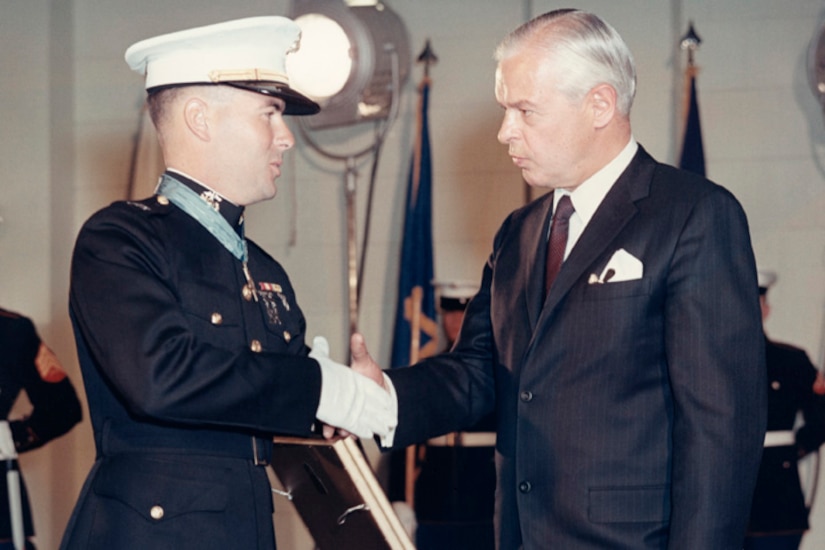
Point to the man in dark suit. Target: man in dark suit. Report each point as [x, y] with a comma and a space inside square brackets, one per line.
[630, 399]
[190, 339]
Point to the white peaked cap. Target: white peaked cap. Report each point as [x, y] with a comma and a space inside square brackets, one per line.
[454, 295]
[457, 289]
[245, 53]
[766, 278]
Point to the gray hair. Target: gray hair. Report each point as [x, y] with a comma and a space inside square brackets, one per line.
[584, 49]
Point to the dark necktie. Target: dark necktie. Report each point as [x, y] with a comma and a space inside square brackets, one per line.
[557, 241]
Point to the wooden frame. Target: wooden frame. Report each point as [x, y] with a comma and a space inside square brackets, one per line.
[337, 495]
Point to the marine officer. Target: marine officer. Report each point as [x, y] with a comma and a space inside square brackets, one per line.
[189, 335]
[28, 364]
[779, 514]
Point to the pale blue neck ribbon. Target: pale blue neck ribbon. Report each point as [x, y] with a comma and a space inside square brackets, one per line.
[190, 202]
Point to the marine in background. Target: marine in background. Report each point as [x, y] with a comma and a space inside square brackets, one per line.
[455, 489]
[779, 514]
[27, 364]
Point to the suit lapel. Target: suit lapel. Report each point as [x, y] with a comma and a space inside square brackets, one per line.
[534, 275]
[616, 210]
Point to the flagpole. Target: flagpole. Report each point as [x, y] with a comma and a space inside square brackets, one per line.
[412, 310]
[692, 156]
[410, 463]
[690, 42]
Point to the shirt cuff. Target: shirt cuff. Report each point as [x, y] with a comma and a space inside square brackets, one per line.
[387, 440]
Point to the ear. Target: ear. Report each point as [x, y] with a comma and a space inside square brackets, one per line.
[603, 104]
[196, 116]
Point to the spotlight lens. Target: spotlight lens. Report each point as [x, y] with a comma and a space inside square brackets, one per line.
[322, 65]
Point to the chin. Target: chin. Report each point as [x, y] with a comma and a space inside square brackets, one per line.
[529, 180]
[263, 194]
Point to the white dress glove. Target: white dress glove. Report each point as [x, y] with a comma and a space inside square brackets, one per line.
[352, 401]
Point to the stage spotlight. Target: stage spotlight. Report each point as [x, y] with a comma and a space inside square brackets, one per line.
[353, 60]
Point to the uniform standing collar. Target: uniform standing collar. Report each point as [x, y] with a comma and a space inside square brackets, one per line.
[230, 211]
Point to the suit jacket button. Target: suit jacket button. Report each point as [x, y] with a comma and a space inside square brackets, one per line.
[162, 200]
[255, 346]
[526, 396]
[156, 512]
[217, 318]
[525, 486]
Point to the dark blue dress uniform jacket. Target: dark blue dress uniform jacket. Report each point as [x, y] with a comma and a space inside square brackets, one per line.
[778, 502]
[187, 379]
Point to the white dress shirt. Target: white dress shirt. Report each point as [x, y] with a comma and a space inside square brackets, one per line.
[589, 194]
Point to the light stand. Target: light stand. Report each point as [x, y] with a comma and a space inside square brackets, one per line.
[377, 47]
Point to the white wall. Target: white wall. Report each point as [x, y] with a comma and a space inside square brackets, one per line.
[36, 209]
[70, 109]
[24, 151]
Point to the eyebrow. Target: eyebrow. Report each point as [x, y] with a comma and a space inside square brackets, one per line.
[276, 102]
[521, 105]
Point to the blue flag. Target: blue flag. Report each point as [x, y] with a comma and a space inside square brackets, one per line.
[416, 273]
[693, 154]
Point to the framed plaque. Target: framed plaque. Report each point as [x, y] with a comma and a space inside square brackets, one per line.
[337, 495]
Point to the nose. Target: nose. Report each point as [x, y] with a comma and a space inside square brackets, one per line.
[284, 139]
[506, 131]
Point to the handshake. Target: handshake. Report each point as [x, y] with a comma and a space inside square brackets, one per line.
[362, 404]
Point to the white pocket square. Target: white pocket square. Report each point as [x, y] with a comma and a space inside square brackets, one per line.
[623, 266]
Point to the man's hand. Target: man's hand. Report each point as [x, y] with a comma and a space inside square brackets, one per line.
[362, 362]
[349, 400]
